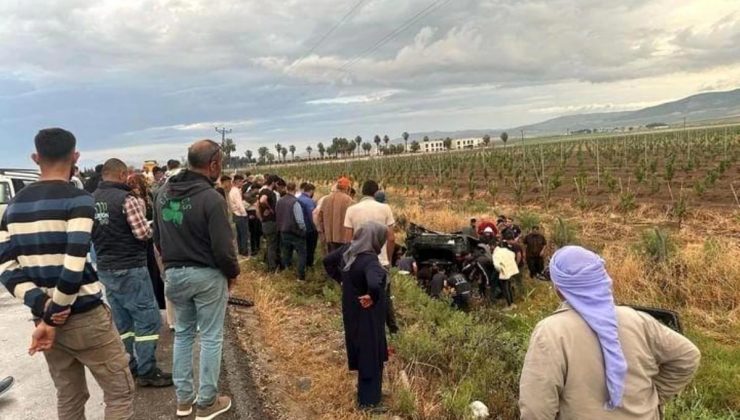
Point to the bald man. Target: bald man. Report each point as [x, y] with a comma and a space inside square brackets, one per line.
[192, 231]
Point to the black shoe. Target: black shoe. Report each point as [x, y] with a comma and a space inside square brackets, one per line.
[6, 384]
[155, 378]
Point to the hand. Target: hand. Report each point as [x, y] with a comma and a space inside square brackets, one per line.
[365, 301]
[42, 338]
[59, 318]
[232, 282]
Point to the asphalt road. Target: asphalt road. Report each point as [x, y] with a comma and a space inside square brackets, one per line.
[34, 397]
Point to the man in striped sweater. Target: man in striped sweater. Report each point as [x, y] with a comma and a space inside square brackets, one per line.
[44, 242]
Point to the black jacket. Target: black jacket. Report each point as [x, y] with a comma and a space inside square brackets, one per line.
[191, 225]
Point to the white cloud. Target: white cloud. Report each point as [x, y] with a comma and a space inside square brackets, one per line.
[354, 99]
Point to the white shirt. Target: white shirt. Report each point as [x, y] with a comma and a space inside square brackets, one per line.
[369, 210]
[504, 260]
[236, 203]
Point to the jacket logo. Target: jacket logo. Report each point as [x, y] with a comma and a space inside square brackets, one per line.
[174, 210]
[101, 213]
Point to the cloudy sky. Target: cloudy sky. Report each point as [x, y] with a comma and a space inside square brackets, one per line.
[141, 79]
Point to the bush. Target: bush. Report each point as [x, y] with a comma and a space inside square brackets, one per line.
[563, 233]
[657, 244]
[528, 220]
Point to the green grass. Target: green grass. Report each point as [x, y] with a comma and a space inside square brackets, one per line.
[478, 355]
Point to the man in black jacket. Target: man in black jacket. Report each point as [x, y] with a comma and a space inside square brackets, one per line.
[120, 235]
[292, 228]
[192, 231]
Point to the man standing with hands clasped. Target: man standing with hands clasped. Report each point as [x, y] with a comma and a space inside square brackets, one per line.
[192, 230]
[44, 242]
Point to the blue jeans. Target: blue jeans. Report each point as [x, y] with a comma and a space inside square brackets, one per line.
[242, 234]
[135, 313]
[199, 296]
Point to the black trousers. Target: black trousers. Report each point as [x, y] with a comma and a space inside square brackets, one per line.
[255, 234]
[536, 265]
[370, 388]
[312, 240]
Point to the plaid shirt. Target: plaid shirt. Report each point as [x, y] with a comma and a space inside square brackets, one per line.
[135, 209]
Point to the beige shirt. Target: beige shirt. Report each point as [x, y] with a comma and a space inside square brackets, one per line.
[369, 210]
[504, 260]
[236, 202]
[563, 374]
[331, 216]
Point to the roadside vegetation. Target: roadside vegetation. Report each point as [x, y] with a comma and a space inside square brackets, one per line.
[444, 359]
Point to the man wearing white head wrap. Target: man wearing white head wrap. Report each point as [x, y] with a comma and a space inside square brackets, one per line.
[594, 360]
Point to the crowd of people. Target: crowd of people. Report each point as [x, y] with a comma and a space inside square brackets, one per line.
[173, 238]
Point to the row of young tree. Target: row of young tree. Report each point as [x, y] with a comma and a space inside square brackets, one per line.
[340, 146]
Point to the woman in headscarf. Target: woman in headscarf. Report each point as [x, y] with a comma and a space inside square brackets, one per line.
[594, 360]
[357, 268]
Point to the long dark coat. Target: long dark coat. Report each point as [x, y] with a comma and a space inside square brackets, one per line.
[364, 329]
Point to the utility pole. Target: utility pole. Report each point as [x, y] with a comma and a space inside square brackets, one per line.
[223, 131]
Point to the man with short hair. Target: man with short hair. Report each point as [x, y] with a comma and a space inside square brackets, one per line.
[292, 228]
[267, 202]
[592, 359]
[44, 242]
[92, 183]
[312, 235]
[331, 216]
[192, 231]
[369, 210]
[158, 175]
[173, 168]
[224, 187]
[534, 249]
[239, 215]
[120, 236]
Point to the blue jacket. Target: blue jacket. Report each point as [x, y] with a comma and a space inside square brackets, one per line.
[308, 205]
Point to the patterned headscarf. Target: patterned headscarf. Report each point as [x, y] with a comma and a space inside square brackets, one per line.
[368, 239]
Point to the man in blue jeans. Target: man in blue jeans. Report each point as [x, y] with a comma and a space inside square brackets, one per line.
[120, 233]
[192, 231]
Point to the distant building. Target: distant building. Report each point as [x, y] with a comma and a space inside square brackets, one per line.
[438, 145]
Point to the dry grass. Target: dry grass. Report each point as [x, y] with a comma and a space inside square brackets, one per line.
[701, 282]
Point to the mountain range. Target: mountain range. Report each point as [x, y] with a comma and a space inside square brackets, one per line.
[706, 106]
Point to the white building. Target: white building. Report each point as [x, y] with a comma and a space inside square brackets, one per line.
[438, 145]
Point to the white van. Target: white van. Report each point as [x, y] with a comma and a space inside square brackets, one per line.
[11, 182]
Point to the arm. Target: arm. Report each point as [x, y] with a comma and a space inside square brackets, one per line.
[79, 227]
[13, 278]
[221, 238]
[677, 358]
[333, 262]
[136, 217]
[375, 275]
[349, 230]
[298, 214]
[543, 377]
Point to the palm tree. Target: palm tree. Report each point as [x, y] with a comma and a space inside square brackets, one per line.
[262, 152]
[386, 140]
[278, 148]
[228, 146]
[320, 147]
[351, 147]
[486, 140]
[405, 136]
[367, 147]
[504, 137]
[248, 154]
[309, 149]
[377, 142]
[292, 152]
[283, 152]
[358, 140]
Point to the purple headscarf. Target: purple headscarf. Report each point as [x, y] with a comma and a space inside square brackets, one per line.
[581, 278]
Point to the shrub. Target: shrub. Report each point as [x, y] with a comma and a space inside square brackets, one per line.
[527, 220]
[657, 244]
[563, 233]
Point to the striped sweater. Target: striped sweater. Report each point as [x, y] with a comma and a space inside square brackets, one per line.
[44, 244]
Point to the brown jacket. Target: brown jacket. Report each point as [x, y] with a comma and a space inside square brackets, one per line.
[331, 216]
[563, 374]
